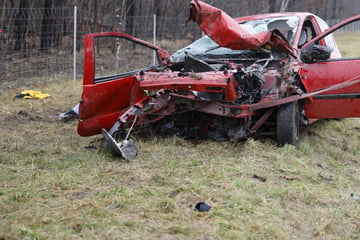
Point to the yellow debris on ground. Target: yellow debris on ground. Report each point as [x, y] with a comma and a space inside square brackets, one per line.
[28, 94]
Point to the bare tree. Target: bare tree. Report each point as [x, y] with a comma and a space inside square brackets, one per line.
[284, 5]
[272, 5]
[334, 12]
[95, 15]
[21, 25]
[130, 13]
[46, 29]
[58, 22]
[2, 13]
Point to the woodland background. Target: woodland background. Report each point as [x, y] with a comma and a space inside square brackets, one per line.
[37, 35]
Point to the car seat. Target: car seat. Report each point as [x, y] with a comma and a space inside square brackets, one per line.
[303, 38]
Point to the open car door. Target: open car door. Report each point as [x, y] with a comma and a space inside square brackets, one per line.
[111, 63]
[328, 63]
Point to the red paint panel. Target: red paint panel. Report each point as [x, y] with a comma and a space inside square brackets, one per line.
[316, 76]
[92, 125]
[102, 102]
[194, 81]
[333, 108]
[225, 30]
[106, 96]
[203, 82]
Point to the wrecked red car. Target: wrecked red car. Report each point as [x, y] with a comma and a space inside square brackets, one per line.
[255, 76]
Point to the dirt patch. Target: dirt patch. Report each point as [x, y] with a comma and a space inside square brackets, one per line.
[23, 116]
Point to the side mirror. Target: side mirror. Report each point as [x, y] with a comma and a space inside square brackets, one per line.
[314, 53]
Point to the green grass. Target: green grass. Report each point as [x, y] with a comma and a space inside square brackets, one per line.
[348, 43]
[55, 184]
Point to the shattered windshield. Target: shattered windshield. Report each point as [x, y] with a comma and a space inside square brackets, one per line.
[286, 25]
[206, 48]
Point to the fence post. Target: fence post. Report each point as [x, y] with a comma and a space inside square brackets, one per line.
[74, 47]
[154, 38]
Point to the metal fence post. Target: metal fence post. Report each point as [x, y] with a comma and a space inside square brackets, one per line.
[74, 47]
[154, 38]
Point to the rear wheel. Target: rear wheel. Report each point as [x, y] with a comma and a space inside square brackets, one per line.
[287, 127]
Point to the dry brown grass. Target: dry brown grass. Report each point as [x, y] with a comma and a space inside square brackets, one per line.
[57, 185]
[348, 43]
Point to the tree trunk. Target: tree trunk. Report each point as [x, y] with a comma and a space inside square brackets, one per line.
[334, 13]
[272, 5]
[21, 25]
[325, 15]
[284, 5]
[59, 22]
[130, 12]
[95, 16]
[46, 30]
[3, 14]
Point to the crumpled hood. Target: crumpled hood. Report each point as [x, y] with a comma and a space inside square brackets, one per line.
[225, 31]
[205, 48]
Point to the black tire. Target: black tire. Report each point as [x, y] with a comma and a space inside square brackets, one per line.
[287, 127]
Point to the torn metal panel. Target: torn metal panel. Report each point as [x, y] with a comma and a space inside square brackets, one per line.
[309, 95]
[225, 31]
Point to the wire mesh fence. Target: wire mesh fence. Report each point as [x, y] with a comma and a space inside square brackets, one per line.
[355, 27]
[39, 42]
[35, 43]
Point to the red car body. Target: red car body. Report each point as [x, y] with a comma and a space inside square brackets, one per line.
[249, 76]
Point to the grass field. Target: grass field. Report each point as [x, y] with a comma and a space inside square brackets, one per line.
[58, 185]
[348, 43]
[55, 184]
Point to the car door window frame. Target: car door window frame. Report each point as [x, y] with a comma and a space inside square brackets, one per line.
[100, 79]
[328, 33]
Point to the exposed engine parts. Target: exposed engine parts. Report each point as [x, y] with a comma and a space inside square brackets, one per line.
[251, 80]
[246, 77]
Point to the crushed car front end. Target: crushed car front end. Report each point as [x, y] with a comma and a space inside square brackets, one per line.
[205, 90]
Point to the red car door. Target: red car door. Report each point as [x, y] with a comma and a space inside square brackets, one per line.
[111, 63]
[323, 69]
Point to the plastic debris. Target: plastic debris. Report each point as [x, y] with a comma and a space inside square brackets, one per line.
[355, 196]
[68, 116]
[31, 94]
[202, 207]
[259, 178]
